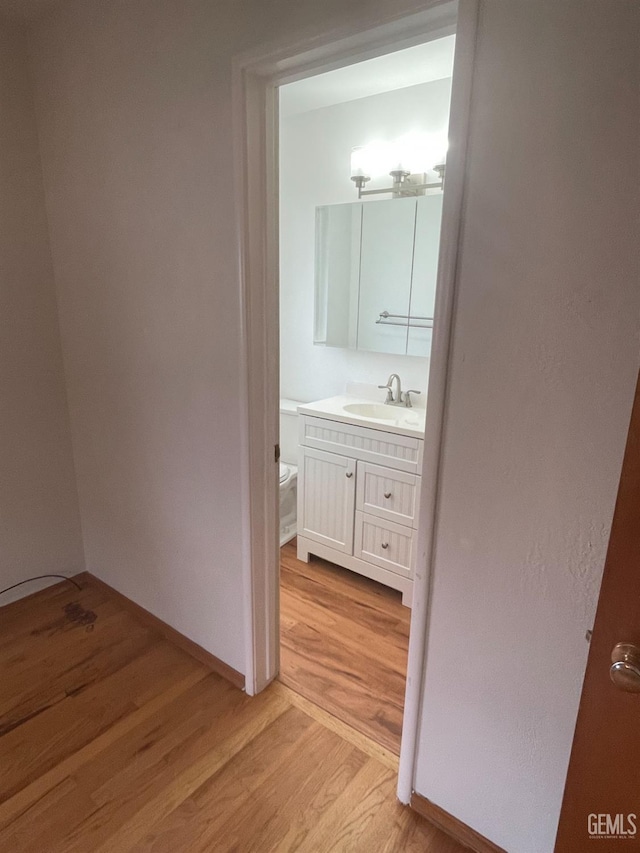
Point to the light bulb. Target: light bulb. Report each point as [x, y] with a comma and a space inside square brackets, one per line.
[358, 157]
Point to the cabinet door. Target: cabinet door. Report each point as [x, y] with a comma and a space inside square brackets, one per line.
[326, 498]
[385, 273]
[425, 271]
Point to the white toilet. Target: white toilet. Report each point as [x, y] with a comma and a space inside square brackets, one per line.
[288, 469]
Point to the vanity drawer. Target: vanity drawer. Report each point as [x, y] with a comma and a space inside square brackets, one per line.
[384, 544]
[402, 452]
[392, 495]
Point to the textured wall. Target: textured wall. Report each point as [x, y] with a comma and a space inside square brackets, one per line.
[39, 521]
[544, 367]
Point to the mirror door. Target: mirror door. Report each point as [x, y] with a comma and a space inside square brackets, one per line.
[386, 262]
[425, 273]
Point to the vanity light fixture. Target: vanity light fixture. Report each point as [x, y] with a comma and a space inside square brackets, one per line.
[407, 161]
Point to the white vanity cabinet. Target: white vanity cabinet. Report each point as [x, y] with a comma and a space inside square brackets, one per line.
[358, 499]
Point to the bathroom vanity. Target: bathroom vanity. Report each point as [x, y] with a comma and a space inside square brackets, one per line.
[359, 487]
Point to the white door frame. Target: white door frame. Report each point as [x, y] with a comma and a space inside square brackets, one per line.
[256, 77]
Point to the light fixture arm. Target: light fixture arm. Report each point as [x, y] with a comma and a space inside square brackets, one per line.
[403, 186]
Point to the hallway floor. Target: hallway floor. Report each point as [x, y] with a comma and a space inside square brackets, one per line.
[112, 739]
[344, 642]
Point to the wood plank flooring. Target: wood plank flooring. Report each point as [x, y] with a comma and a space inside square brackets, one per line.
[112, 739]
[344, 641]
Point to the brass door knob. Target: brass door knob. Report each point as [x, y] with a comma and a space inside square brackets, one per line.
[625, 667]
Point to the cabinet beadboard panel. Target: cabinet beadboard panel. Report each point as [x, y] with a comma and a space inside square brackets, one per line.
[370, 445]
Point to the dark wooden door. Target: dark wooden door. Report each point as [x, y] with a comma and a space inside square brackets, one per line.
[601, 806]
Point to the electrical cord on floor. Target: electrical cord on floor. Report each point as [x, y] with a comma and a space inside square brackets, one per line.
[41, 577]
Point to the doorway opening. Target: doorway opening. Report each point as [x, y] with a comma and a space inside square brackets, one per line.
[257, 77]
[362, 167]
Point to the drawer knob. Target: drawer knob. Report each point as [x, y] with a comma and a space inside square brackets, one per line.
[387, 495]
[349, 474]
[385, 545]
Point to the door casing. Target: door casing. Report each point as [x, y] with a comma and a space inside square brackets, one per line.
[256, 77]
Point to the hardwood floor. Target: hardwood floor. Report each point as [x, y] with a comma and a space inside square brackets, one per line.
[344, 642]
[113, 739]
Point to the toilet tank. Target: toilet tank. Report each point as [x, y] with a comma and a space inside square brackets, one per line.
[289, 431]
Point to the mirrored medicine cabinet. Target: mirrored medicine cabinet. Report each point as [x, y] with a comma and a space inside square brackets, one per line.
[375, 275]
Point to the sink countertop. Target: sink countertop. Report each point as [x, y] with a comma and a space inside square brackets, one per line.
[401, 421]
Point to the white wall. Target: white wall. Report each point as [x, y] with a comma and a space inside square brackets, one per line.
[545, 361]
[39, 520]
[134, 112]
[134, 109]
[315, 149]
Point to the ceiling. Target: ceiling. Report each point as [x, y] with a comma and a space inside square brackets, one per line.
[24, 10]
[409, 67]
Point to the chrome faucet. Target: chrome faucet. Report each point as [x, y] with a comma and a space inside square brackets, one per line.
[400, 398]
[391, 400]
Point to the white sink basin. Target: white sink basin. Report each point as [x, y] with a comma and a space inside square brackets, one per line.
[372, 410]
[363, 412]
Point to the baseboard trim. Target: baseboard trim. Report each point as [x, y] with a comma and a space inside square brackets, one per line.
[211, 661]
[452, 826]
